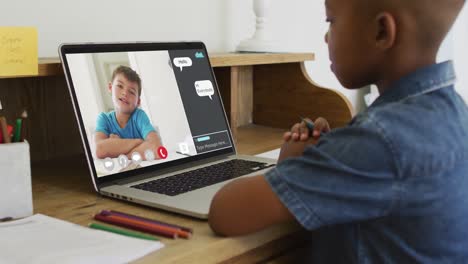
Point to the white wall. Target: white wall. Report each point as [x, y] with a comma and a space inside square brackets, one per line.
[454, 48]
[105, 63]
[220, 24]
[85, 83]
[117, 20]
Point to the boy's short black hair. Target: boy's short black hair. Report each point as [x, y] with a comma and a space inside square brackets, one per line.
[129, 73]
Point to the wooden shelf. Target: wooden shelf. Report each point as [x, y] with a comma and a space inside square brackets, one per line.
[246, 59]
[53, 66]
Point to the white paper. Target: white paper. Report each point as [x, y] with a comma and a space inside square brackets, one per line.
[15, 179]
[273, 154]
[43, 239]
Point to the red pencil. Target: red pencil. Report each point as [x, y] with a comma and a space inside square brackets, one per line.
[178, 231]
[112, 212]
[135, 227]
[155, 226]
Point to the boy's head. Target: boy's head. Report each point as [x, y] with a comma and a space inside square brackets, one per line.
[379, 41]
[125, 87]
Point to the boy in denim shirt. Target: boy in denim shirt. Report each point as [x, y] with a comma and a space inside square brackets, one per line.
[392, 186]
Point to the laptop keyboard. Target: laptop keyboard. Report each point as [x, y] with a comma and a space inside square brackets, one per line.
[199, 178]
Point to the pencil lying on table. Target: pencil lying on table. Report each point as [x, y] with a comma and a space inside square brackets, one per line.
[136, 224]
[149, 220]
[121, 231]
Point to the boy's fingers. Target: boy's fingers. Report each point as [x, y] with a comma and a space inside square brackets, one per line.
[321, 124]
[302, 131]
[298, 132]
[305, 132]
[296, 128]
[295, 136]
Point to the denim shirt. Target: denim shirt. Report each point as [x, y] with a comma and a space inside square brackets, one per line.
[391, 186]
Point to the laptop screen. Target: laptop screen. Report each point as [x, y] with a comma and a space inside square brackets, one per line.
[149, 107]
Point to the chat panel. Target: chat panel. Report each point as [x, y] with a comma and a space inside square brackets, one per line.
[211, 142]
[202, 102]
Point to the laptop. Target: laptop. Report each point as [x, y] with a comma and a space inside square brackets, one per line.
[191, 154]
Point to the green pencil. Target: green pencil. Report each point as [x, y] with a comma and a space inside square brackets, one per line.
[121, 231]
[17, 134]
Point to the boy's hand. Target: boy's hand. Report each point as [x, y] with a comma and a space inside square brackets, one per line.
[300, 131]
[114, 136]
[320, 126]
[291, 149]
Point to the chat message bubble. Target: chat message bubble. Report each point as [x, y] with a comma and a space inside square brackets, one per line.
[204, 88]
[182, 62]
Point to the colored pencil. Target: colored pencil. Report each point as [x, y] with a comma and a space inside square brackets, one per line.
[4, 127]
[121, 231]
[17, 133]
[149, 220]
[24, 116]
[310, 125]
[135, 227]
[138, 223]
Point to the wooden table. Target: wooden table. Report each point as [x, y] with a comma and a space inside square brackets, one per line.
[63, 189]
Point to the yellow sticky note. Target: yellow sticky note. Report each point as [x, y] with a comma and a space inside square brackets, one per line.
[18, 51]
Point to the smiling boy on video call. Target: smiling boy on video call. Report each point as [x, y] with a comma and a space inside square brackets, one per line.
[127, 129]
[391, 186]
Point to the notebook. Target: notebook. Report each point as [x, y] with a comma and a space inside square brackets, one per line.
[153, 125]
[43, 239]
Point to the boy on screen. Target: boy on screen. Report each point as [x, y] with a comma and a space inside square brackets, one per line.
[127, 129]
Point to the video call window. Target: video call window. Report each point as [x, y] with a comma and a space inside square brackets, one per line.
[147, 107]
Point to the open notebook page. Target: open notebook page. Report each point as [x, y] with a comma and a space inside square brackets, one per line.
[43, 239]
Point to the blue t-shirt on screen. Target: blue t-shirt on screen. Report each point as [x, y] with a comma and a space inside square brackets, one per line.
[138, 126]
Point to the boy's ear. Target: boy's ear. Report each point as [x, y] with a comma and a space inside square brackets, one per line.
[109, 86]
[386, 30]
[139, 101]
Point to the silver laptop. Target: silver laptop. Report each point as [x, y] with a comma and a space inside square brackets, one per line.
[153, 125]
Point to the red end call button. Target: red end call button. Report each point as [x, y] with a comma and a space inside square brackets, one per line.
[162, 152]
